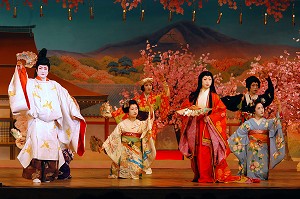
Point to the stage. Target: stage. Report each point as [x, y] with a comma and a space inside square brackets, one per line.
[164, 183]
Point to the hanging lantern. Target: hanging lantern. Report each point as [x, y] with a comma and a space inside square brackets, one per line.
[91, 13]
[194, 16]
[266, 18]
[15, 12]
[293, 15]
[241, 18]
[91, 9]
[69, 14]
[142, 15]
[219, 17]
[293, 19]
[170, 15]
[41, 11]
[124, 15]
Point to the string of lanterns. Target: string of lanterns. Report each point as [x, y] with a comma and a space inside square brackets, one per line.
[274, 7]
[231, 3]
[72, 5]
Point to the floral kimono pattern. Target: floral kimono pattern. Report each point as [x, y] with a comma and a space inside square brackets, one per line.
[259, 147]
[131, 148]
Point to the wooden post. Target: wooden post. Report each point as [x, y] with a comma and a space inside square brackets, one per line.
[106, 127]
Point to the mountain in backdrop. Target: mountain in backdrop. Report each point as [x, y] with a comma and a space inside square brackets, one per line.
[200, 40]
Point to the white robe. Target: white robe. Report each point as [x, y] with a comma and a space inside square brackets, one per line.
[51, 122]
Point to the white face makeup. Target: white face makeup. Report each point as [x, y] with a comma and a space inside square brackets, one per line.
[259, 110]
[133, 111]
[206, 82]
[42, 71]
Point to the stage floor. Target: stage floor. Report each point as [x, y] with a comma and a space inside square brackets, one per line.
[162, 184]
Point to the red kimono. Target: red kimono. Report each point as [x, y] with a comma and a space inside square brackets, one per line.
[204, 141]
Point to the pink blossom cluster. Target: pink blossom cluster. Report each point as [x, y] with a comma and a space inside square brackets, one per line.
[180, 69]
[284, 72]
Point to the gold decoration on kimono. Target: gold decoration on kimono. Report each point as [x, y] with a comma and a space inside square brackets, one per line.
[68, 132]
[45, 145]
[48, 105]
[218, 126]
[11, 93]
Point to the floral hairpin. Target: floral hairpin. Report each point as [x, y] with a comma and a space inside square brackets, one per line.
[124, 103]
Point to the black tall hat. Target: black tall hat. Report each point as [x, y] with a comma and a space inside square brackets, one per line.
[42, 59]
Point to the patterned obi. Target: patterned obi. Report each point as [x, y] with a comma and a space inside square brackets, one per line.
[130, 134]
[130, 139]
[259, 136]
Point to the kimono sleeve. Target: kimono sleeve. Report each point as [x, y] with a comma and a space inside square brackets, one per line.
[73, 130]
[277, 142]
[233, 103]
[17, 92]
[113, 145]
[268, 95]
[238, 142]
[147, 125]
[164, 105]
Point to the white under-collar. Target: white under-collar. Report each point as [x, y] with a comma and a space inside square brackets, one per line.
[249, 99]
[202, 98]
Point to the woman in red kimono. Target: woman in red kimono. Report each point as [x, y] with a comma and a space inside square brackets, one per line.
[203, 138]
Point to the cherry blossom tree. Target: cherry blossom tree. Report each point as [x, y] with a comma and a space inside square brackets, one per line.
[284, 72]
[179, 68]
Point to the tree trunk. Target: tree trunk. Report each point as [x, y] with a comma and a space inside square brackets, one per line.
[287, 156]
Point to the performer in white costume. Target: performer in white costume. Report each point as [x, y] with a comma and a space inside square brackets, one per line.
[55, 121]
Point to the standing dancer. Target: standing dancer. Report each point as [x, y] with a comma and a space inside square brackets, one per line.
[55, 120]
[203, 138]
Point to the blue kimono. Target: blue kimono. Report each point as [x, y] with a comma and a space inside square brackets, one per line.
[259, 147]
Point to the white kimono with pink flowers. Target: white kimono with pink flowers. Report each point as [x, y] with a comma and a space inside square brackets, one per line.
[131, 148]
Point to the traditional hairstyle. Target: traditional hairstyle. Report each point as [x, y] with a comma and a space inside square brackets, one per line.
[250, 80]
[255, 103]
[194, 95]
[127, 105]
[42, 60]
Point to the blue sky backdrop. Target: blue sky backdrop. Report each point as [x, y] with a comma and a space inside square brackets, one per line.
[55, 32]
